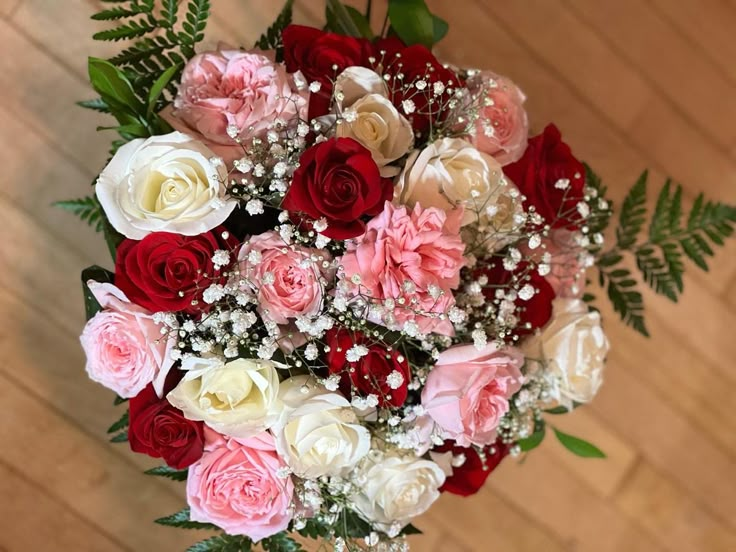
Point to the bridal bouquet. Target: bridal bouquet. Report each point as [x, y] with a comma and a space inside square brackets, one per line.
[347, 278]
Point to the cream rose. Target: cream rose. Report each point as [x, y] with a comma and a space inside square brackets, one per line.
[164, 183]
[451, 173]
[574, 348]
[369, 117]
[319, 433]
[394, 488]
[238, 398]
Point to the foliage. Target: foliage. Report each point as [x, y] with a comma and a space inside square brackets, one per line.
[223, 543]
[578, 446]
[98, 274]
[535, 439]
[86, 208]
[660, 248]
[271, 39]
[181, 519]
[170, 473]
[121, 424]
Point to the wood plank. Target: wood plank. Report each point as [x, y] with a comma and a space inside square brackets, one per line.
[664, 437]
[708, 24]
[33, 521]
[53, 115]
[85, 474]
[557, 498]
[669, 514]
[701, 94]
[7, 7]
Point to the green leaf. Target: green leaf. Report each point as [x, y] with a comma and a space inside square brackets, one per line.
[533, 441]
[271, 39]
[352, 526]
[412, 21]
[578, 446]
[280, 542]
[627, 303]
[339, 19]
[313, 529]
[223, 543]
[113, 86]
[158, 87]
[112, 237]
[181, 519]
[98, 274]
[120, 438]
[166, 471]
[364, 27]
[97, 104]
[439, 28]
[122, 423]
[411, 530]
[558, 410]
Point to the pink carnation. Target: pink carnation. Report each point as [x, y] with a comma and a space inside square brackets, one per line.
[232, 87]
[413, 255]
[286, 280]
[502, 127]
[236, 486]
[124, 346]
[468, 390]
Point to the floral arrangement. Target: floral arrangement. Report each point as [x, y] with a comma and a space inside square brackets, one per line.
[346, 279]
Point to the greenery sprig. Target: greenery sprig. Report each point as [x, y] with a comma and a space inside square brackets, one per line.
[660, 247]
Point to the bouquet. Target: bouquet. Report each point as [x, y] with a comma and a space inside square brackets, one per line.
[347, 278]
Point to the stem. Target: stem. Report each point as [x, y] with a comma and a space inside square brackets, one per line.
[368, 7]
[384, 27]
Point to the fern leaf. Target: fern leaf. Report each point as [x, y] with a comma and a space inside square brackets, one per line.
[627, 302]
[86, 208]
[271, 39]
[633, 214]
[170, 473]
[127, 31]
[182, 520]
[97, 104]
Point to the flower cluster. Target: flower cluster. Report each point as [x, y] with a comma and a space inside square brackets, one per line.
[348, 282]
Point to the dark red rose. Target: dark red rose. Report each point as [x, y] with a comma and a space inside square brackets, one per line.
[369, 374]
[536, 311]
[417, 63]
[321, 57]
[547, 161]
[160, 430]
[468, 478]
[166, 272]
[338, 180]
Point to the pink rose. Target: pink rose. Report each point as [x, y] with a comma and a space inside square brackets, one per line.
[124, 346]
[285, 277]
[411, 255]
[236, 486]
[468, 390]
[502, 127]
[567, 271]
[232, 87]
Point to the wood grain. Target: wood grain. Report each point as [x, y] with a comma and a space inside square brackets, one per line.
[632, 84]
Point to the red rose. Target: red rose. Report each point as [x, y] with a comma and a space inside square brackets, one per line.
[369, 375]
[468, 478]
[535, 311]
[321, 57]
[338, 180]
[417, 63]
[166, 272]
[160, 430]
[547, 161]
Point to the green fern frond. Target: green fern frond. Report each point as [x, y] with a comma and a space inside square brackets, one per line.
[182, 520]
[271, 39]
[86, 208]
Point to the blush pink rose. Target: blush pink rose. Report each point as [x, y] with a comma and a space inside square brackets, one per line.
[502, 128]
[285, 277]
[567, 272]
[415, 255]
[236, 486]
[124, 346]
[468, 390]
[231, 87]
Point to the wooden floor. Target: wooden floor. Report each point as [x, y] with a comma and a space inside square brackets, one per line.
[632, 84]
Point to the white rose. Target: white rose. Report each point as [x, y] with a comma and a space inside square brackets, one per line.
[451, 173]
[238, 398]
[574, 348]
[394, 488]
[319, 433]
[371, 119]
[164, 183]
